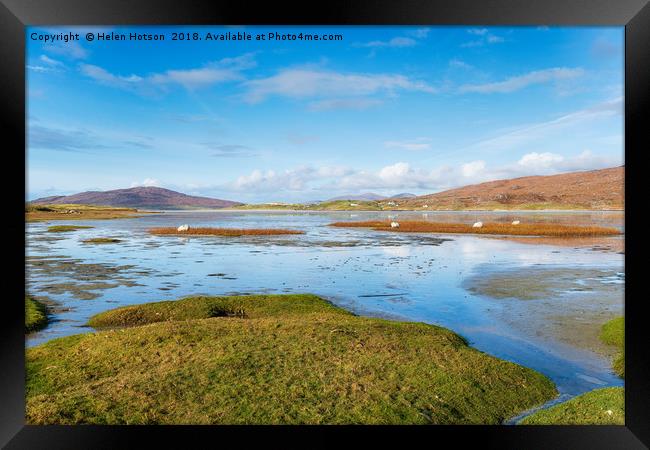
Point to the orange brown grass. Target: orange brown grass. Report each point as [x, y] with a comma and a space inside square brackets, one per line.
[524, 229]
[207, 231]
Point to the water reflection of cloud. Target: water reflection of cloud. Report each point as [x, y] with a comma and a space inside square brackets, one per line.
[402, 252]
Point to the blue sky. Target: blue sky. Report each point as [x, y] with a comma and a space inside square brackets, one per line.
[385, 110]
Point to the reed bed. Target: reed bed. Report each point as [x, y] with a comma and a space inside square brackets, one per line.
[523, 229]
[208, 231]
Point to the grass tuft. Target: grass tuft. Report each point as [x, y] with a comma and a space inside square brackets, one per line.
[35, 315]
[66, 228]
[101, 240]
[38, 213]
[613, 333]
[604, 406]
[206, 231]
[270, 359]
[525, 229]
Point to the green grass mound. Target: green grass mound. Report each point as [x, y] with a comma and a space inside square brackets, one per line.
[249, 306]
[101, 240]
[35, 315]
[65, 228]
[599, 407]
[613, 333]
[270, 359]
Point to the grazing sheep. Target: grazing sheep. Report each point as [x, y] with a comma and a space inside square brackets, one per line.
[394, 225]
[425, 206]
[183, 228]
[515, 222]
[478, 225]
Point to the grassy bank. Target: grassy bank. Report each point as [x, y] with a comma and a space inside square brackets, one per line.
[599, 407]
[40, 213]
[65, 228]
[269, 359]
[101, 240]
[523, 229]
[206, 231]
[613, 333]
[35, 315]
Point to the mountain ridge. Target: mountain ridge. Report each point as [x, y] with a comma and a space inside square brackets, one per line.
[139, 197]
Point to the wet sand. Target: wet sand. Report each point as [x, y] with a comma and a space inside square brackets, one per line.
[604, 244]
[568, 305]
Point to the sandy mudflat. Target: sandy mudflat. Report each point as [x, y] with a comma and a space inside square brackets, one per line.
[568, 305]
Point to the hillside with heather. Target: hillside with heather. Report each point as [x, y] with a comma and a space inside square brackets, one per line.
[138, 197]
[595, 189]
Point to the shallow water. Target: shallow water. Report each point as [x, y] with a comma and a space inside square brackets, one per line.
[419, 277]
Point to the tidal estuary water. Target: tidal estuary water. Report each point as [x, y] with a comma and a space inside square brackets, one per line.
[539, 305]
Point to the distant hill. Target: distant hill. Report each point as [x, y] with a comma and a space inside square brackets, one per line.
[368, 196]
[139, 197]
[403, 195]
[594, 189]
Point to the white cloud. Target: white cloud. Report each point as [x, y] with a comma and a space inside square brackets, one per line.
[105, 77]
[539, 132]
[42, 69]
[307, 82]
[419, 33]
[357, 104]
[519, 82]
[395, 172]
[473, 168]
[400, 175]
[494, 39]
[226, 69]
[147, 182]
[546, 163]
[397, 42]
[484, 37]
[52, 62]
[328, 181]
[415, 145]
[536, 160]
[71, 50]
[195, 78]
[297, 179]
[457, 63]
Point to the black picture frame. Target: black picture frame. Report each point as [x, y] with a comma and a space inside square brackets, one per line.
[16, 14]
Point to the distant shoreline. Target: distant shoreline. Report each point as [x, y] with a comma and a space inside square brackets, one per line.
[390, 210]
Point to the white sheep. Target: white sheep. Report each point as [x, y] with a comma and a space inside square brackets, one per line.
[394, 225]
[478, 225]
[183, 228]
[515, 222]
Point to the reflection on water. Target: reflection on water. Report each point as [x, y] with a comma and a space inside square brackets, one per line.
[420, 277]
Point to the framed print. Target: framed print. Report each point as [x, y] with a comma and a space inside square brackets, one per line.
[363, 219]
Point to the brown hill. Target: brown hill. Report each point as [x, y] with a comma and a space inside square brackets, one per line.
[139, 197]
[595, 189]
